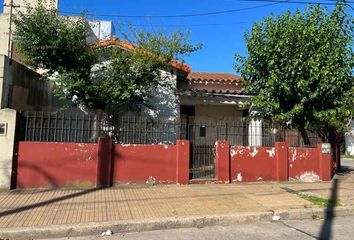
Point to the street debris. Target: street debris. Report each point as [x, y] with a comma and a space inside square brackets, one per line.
[107, 233]
[151, 181]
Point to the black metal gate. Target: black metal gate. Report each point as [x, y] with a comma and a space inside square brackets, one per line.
[202, 151]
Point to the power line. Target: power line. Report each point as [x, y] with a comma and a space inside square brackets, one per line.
[180, 25]
[175, 16]
[302, 2]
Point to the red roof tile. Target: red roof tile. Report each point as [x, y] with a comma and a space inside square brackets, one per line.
[116, 42]
[215, 82]
[218, 77]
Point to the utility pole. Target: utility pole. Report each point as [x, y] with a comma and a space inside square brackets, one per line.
[9, 43]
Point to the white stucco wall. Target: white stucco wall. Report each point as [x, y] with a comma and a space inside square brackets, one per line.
[164, 97]
[7, 117]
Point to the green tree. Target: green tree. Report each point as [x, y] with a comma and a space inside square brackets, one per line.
[90, 76]
[299, 67]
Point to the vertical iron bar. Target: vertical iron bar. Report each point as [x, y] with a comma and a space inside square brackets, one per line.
[82, 132]
[34, 126]
[62, 127]
[89, 128]
[226, 131]
[41, 127]
[146, 136]
[128, 140]
[76, 129]
[69, 133]
[26, 131]
[55, 127]
[48, 129]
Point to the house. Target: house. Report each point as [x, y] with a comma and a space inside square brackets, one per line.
[195, 98]
[217, 97]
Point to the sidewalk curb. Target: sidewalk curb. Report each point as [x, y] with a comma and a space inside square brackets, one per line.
[57, 231]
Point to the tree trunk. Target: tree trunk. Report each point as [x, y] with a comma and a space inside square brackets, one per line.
[304, 136]
[334, 140]
[99, 114]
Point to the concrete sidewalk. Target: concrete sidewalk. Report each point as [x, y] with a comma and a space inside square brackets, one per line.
[40, 208]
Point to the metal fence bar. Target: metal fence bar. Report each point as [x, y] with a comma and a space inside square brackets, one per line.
[57, 127]
[133, 129]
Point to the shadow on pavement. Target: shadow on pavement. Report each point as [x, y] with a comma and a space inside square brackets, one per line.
[326, 229]
[44, 203]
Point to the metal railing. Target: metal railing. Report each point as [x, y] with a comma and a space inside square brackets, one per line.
[59, 127]
[133, 129]
[308, 139]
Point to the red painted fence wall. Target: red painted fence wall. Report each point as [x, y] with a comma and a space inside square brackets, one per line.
[165, 163]
[308, 164]
[41, 164]
[279, 163]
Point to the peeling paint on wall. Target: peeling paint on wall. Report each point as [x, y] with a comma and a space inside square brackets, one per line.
[236, 150]
[271, 152]
[308, 177]
[125, 145]
[239, 177]
[254, 152]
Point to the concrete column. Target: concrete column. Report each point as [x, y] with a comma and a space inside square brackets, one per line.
[223, 161]
[7, 143]
[255, 133]
[324, 164]
[182, 168]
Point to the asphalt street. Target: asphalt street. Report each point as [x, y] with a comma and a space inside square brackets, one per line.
[337, 228]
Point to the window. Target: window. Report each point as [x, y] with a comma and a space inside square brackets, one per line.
[202, 131]
[3, 128]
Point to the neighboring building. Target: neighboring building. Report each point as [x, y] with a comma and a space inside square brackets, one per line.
[21, 88]
[21, 5]
[102, 30]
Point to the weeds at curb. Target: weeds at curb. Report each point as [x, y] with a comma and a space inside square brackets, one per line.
[317, 200]
[317, 217]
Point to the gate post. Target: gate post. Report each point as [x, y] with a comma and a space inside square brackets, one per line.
[282, 161]
[104, 164]
[7, 143]
[182, 161]
[324, 164]
[222, 159]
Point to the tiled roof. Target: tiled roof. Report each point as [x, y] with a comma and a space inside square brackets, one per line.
[214, 77]
[225, 83]
[116, 42]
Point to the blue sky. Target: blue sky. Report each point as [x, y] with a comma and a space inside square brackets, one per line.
[221, 35]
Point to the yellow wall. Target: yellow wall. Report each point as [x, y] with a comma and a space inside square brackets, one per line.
[217, 112]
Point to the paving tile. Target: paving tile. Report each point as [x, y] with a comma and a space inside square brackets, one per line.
[64, 206]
